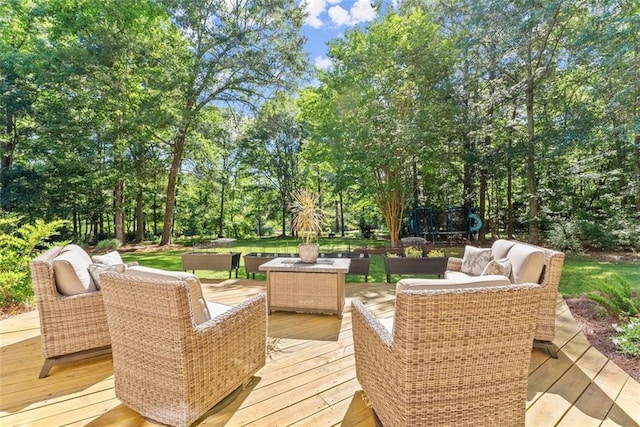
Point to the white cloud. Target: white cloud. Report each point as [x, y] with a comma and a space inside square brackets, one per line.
[313, 9]
[323, 63]
[339, 16]
[360, 11]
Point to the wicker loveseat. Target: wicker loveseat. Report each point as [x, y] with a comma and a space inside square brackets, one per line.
[175, 356]
[455, 356]
[548, 276]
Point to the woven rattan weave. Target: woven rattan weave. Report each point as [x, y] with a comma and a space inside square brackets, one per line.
[166, 367]
[455, 357]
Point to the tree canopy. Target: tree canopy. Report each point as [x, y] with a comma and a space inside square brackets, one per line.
[148, 118]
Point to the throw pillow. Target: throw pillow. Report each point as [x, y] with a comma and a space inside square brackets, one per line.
[475, 260]
[96, 269]
[498, 266]
[111, 258]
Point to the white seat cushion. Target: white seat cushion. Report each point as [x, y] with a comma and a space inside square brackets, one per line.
[527, 263]
[462, 283]
[216, 309]
[156, 273]
[456, 275]
[387, 322]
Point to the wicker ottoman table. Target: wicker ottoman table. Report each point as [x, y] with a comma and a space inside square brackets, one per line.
[308, 288]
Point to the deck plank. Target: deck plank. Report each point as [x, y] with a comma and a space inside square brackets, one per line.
[309, 378]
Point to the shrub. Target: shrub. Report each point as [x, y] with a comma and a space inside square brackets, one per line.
[588, 232]
[19, 244]
[412, 252]
[109, 244]
[616, 298]
[627, 338]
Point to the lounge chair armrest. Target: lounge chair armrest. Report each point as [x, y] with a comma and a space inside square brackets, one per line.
[241, 332]
[454, 264]
[369, 325]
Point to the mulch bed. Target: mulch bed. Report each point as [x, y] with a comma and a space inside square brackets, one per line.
[597, 327]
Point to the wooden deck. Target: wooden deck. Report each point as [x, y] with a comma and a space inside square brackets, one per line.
[309, 379]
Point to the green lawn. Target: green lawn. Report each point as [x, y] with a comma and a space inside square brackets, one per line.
[579, 274]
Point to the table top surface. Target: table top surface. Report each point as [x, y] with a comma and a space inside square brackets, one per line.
[322, 265]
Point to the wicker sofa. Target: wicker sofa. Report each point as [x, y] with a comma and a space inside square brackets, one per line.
[454, 356]
[548, 277]
[175, 357]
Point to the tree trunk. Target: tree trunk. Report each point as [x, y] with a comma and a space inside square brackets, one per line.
[482, 233]
[638, 173]
[467, 179]
[169, 211]
[509, 160]
[8, 149]
[284, 219]
[118, 201]
[155, 213]
[532, 185]
[341, 214]
[139, 217]
[222, 190]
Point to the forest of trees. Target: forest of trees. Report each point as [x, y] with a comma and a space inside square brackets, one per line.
[140, 118]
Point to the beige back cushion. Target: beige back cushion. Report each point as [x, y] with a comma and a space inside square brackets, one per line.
[78, 250]
[500, 248]
[71, 273]
[527, 263]
[461, 283]
[194, 289]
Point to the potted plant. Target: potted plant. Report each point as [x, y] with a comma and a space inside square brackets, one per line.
[307, 222]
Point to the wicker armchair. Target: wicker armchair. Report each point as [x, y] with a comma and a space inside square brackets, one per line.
[550, 280]
[167, 367]
[71, 327]
[452, 357]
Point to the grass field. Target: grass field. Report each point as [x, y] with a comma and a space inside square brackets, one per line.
[579, 275]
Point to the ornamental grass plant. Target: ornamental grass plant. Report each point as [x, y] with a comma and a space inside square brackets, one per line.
[307, 220]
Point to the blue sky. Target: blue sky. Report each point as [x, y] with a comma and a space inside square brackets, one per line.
[328, 19]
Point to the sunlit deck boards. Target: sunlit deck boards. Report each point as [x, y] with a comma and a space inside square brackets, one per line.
[309, 379]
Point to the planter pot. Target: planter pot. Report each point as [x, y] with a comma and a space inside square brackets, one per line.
[309, 253]
[420, 265]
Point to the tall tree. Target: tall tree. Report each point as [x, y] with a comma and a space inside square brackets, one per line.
[240, 50]
[273, 146]
[388, 86]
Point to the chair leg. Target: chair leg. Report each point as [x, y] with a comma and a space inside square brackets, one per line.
[46, 367]
[547, 345]
[73, 357]
[376, 419]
